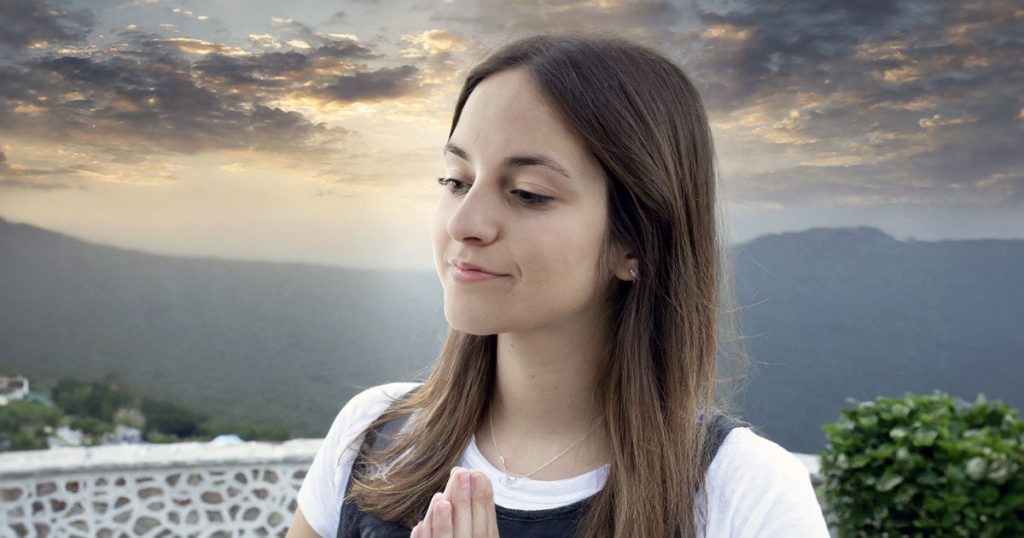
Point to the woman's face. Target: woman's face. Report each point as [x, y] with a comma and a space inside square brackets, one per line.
[539, 228]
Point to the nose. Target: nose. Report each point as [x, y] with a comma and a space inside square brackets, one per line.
[475, 215]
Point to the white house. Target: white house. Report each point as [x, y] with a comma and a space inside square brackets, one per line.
[13, 388]
[123, 435]
[65, 437]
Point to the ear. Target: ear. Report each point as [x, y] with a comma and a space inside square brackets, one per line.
[623, 260]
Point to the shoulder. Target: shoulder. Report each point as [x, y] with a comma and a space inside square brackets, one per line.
[746, 454]
[756, 487]
[361, 410]
[374, 400]
[323, 488]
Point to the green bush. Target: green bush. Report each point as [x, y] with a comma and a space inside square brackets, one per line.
[247, 430]
[24, 424]
[97, 399]
[923, 466]
[170, 418]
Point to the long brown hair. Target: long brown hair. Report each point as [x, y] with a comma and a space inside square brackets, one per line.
[643, 120]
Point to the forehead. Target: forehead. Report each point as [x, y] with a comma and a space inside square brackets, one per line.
[506, 114]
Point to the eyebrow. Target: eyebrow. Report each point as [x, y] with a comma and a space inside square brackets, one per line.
[515, 160]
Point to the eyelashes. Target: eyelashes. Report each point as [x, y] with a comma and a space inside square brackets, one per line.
[455, 186]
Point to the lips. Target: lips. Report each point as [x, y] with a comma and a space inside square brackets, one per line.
[473, 267]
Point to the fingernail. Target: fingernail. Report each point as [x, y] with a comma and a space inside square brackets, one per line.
[464, 480]
[444, 508]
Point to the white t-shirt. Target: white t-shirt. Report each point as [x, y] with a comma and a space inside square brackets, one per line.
[755, 487]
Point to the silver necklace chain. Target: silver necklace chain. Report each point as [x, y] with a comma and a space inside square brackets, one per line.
[501, 459]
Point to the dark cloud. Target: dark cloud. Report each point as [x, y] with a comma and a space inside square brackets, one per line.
[514, 17]
[913, 100]
[262, 71]
[278, 70]
[152, 93]
[337, 18]
[156, 102]
[384, 83]
[344, 49]
[883, 50]
[762, 46]
[27, 22]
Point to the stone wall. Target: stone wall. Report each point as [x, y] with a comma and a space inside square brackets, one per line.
[183, 489]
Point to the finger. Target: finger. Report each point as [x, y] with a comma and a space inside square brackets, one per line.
[416, 531]
[422, 529]
[451, 483]
[462, 508]
[441, 522]
[426, 526]
[483, 505]
[492, 514]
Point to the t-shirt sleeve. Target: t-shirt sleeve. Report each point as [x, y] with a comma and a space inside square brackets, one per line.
[758, 489]
[323, 488]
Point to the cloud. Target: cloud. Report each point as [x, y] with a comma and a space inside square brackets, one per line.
[432, 43]
[265, 41]
[383, 83]
[893, 100]
[149, 98]
[188, 13]
[151, 93]
[198, 46]
[35, 23]
[16, 177]
[326, 72]
[337, 18]
[442, 55]
[840, 102]
[515, 17]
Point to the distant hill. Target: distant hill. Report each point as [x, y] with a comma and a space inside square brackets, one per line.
[853, 312]
[286, 342]
[829, 314]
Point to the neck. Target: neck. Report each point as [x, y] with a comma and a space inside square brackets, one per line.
[544, 400]
[544, 386]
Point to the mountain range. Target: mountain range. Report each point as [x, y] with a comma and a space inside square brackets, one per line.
[826, 314]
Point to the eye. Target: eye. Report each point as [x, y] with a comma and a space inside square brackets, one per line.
[525, 197]
[530, 198]
[450, 182]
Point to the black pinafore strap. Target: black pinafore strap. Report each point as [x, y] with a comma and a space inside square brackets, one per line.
[549, 523]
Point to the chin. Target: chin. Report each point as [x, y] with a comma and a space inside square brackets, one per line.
[470, 321]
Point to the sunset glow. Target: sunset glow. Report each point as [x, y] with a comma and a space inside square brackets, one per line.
[300, 132]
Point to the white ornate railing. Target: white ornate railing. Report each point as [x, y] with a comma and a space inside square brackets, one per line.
[182, 489]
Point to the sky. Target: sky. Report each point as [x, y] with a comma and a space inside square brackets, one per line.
[312, 131]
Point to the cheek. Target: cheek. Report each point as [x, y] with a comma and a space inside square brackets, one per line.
[439, 235]
[565, 261]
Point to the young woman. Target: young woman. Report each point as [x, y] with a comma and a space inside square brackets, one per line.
[582, 267]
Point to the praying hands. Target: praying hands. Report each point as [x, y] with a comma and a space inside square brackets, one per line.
[464, 510]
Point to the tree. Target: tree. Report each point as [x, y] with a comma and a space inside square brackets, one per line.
[99, 400]
[24, 425]
[170, 418]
